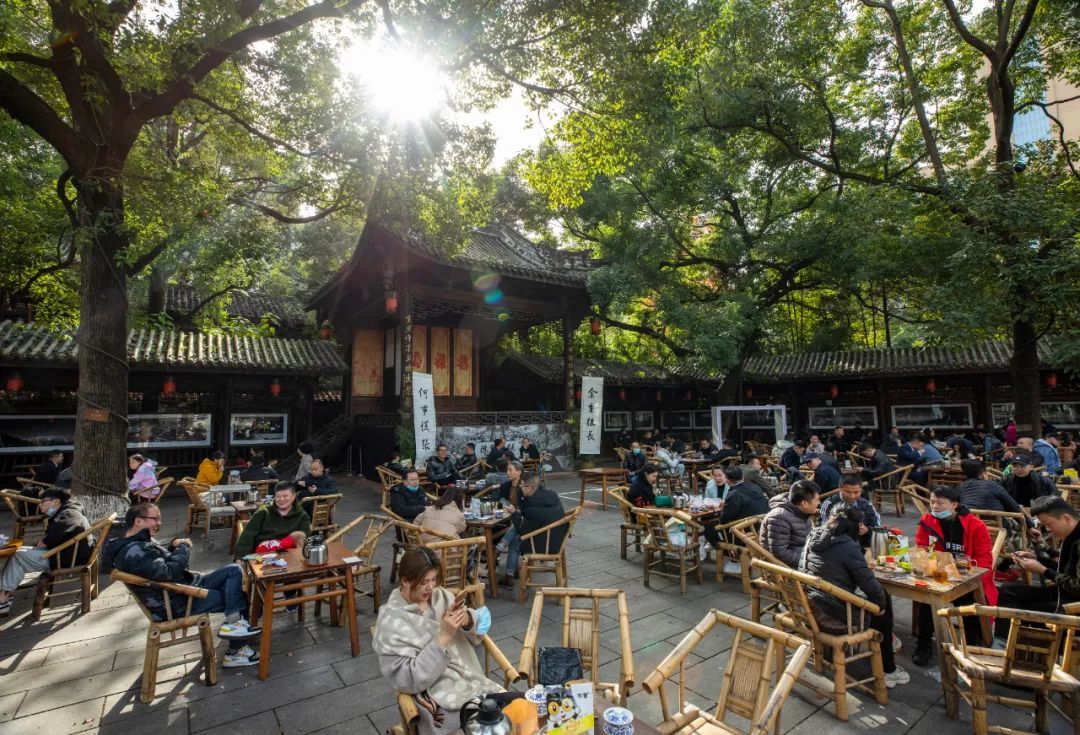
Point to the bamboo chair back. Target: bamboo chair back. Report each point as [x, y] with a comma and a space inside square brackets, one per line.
[631, 525]
[459, 565]
[628, 509]
[757, 678]
[25, 510]
[580, 629]
[32, 486]
[388, 477]
[543, 539]
[371, 527]
[656, 522]
[1034, 644]
[320, 508]
[161, 486]
[793, 584]
[69, 570]
[265, 487]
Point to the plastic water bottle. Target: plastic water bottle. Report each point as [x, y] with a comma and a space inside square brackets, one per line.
[474, 507]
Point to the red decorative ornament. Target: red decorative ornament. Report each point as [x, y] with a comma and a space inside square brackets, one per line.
[14, 383]
[659, 395]
[622, 394]
[275, 388]
[577, 394]
[391, 302]
[748, 392]
[1050, 380]
[168, 387]
[834, 390]
[325, 332]
[689, 395]
[594, 325]
[931, 386]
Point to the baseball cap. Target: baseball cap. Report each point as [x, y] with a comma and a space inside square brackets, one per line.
[1022, 459]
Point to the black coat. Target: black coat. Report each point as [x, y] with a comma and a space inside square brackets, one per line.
[408, 503]
[258, 472]
[321, 485]
[907, 455]
[442, 472]
[68, 523]
[986, 495]
[633, 462]
[533, 452]
[879, 465]
[838, 560]
[1042, 486]
[744, 500]
[496, 454]
[790, 459]
[827, 477]
[641, 492]
[507, 492]
[541, 509]
[47, 472]
[145, 557]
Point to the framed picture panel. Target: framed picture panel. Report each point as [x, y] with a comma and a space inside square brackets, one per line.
[246, 429]
[680, 419]
[616, 420]
[1064, 415]
[828, 417]
[756, 419]
[937, 415]
[644, 420]
[168, 430]
[703, 419]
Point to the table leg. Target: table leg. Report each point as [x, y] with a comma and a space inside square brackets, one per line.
[582, 501]
[267, 628]
[603, 491]
[489, 540]
[335, 618]
[350, 611]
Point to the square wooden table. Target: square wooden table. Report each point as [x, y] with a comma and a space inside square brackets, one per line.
[600, 476]
[330, 581]
[489, 528]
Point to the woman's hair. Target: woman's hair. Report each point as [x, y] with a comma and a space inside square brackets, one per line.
[650, 469]
[306, 448]
[137, 457]
[416, 563]
[845, 521]
[217, 455]
[449, 495]
[948, 492]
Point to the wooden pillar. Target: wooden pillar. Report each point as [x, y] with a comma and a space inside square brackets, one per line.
[987, 407]
[568, 368]
[224, 427]
[310, 387]
[883, 418]
[796, 406]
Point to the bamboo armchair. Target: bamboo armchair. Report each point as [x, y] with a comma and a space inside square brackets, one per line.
[373, 527]
[407, 536]
[631, 525]
[467, 472]
[731, 550]
[265, 487]
[388, 477]
[756, 682]
[890, 485]
[1015, 526]
[162, 486]
[662, 555]
[32, 487]
[920, 497]
[410, 713]
[459, 566]
[543, 558]
[199, 511]
[854, 641]
[320, 508]
[581, 630]
[25, 510]
[177, 629]
[1032, 659]
[70, 571]
[762, 589]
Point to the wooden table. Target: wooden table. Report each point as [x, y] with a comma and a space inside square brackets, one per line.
[489, 528]
[244, 509]
[330, 581]
[9, 550]
[600, 476]
[693, 466]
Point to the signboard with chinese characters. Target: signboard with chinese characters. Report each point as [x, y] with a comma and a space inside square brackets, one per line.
[419, 348]
[463, 362]
[592, 411]
[440, 360]
[423, 396]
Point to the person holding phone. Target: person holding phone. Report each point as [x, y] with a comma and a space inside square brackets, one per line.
[425, 637]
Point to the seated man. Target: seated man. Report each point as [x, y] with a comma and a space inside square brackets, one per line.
[539, 507]
[499, 451]
[317, 481]
[913, 452]
[528, 449]
[468, 462]
[743, 500]
[708, 450]
[782, 445]
[1024, 485]
[1061, 574]
[791, 459]
[66, 521]
[890, 444]
[642, 490]
[851, 496]
[814, 445]
[283, 521]
[440, 468]
[826, 476]
[877, 464]
[258, 470]
[407, 499]
[1047, 448]
[138, 553]
[839, 442]
[979, 492]
[634, 461]
[789, 520]
[49, 470]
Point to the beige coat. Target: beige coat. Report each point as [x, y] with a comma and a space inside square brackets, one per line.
[448, 521]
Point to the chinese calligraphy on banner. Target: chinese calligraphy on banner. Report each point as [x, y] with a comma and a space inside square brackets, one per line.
[463, 362]
[423, 416]
[419, 348]
[367, 363]
[592, 409]
[440, 360]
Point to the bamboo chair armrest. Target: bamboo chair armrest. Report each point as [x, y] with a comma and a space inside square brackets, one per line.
[174, 587]
[511, 672]
[551, 526]
[101, 527]
[890, 473]
[671, 663]
[1071, 608]
[410, 713]
[19, 498]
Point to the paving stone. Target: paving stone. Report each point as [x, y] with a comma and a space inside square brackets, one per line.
[333, 707]
[244, 703]
[9, 704]
[263, 723]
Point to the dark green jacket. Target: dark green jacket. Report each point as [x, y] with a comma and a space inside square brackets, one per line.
[266, 523]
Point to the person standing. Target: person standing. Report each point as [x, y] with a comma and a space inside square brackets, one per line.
[306, 452]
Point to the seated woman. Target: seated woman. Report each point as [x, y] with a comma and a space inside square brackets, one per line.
[949, 526]
[142, 484]
[211, 469]
[668, 460]
[642, 486]
[425, 639]
[832, 552]
[443, 516]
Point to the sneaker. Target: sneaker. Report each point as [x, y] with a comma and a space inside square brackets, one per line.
[246, 656]
[240, 629]
[897, 677]
[732, 567]
[922, 655]
[897, 644]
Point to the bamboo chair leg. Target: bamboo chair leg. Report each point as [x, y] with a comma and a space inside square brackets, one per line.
[877, 666]
[978, 707]
[376, 591]
[648, 563]
[206, 639]
[840, 682]
[952, 693]
[149, 671]
[1041, 707]
[87, 591]
[623, 542]
[95, 573]
[697, 563]
[682, 573]
[42, 594]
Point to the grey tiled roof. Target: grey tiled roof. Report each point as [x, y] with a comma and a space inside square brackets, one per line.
[180, 299]
[21, 343]
[989, 355]
[550, 369]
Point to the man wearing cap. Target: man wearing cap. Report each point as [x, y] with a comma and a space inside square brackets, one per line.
[1024, 485]
[1047, 449]
[826, 476]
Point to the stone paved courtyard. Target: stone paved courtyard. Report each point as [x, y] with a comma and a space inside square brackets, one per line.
[69, 674]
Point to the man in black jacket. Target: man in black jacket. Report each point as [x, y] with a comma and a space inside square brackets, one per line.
[440, 468]
[979, 492]
[1023, 484]
[138, 553]
[539, 507]
[499, 450]
[839, 443]
[877, 463]
[826, 476]
[407, 499]
[791, 459]
[634, 461]
[743, 500]
[317, 481]
[66, 521]
[468, 462]
[258, 470]
[49, 470]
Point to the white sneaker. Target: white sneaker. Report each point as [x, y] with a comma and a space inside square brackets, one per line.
[240, 629]
[246, 656]
[897, 677]
[732, 567]
[897, 644]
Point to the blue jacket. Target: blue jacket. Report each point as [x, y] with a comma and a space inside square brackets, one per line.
[907, 455]
[827, 477]
[1050, 456]
[932, 453]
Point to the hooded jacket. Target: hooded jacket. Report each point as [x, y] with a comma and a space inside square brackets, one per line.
[977, 544]
[986, 495]
[266, 523]
[744, 500]
[838, 560]
[141, 555]
[784, 530]
[208, 474]
[67, 523]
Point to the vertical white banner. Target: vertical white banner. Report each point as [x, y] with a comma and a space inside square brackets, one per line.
[423, 397]
[592, 415]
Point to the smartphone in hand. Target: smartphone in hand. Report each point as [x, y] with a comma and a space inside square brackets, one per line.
[459, 600]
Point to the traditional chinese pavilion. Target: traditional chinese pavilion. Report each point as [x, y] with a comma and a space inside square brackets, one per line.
[402, 304]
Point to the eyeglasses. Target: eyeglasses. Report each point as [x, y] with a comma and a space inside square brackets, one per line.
[151, 518]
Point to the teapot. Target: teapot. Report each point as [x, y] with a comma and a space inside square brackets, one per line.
[314, 550]
[488, 721]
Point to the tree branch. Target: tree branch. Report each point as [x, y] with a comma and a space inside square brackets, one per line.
[676, 349]
[289, 219]
[205, 302]
[972, 40]
[1021, 31]
[62, 262]
[150, 256]
[250, 128]
[61, 193]
[24, 58]
[33, 112]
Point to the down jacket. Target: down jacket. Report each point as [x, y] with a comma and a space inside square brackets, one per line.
[977, 544]
[784, 530]
[838, 560]
[986, 495]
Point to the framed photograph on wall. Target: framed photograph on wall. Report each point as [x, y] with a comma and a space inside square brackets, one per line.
[168, 430]
[703, 419]
[644, 420]
[616, 420]
[937, 415]
[24, 434]
[680, 419]
[828, 417]
[247, 429]
[1062, 415]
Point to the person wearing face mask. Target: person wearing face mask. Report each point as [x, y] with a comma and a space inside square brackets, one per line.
[949, 526]
[66, 521]
[406, 499]
[634, 461]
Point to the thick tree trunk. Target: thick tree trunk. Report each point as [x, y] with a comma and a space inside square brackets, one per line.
[1024, 367]
[100, 464]
[158, 286]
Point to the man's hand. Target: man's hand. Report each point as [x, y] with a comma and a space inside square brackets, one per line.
[509, 508]
[1027, 560]
[177, 541]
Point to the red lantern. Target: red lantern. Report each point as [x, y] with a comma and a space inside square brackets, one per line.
[622, 394]
[1050, 381]
[168, 387]
[748, 392]
[689, 395]
[577, 394]
[659, 395]
[275, 388]
[834, 390]
[391, 302]
[14, 383]
[594, 325]
[325, 332]
[931, 386]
